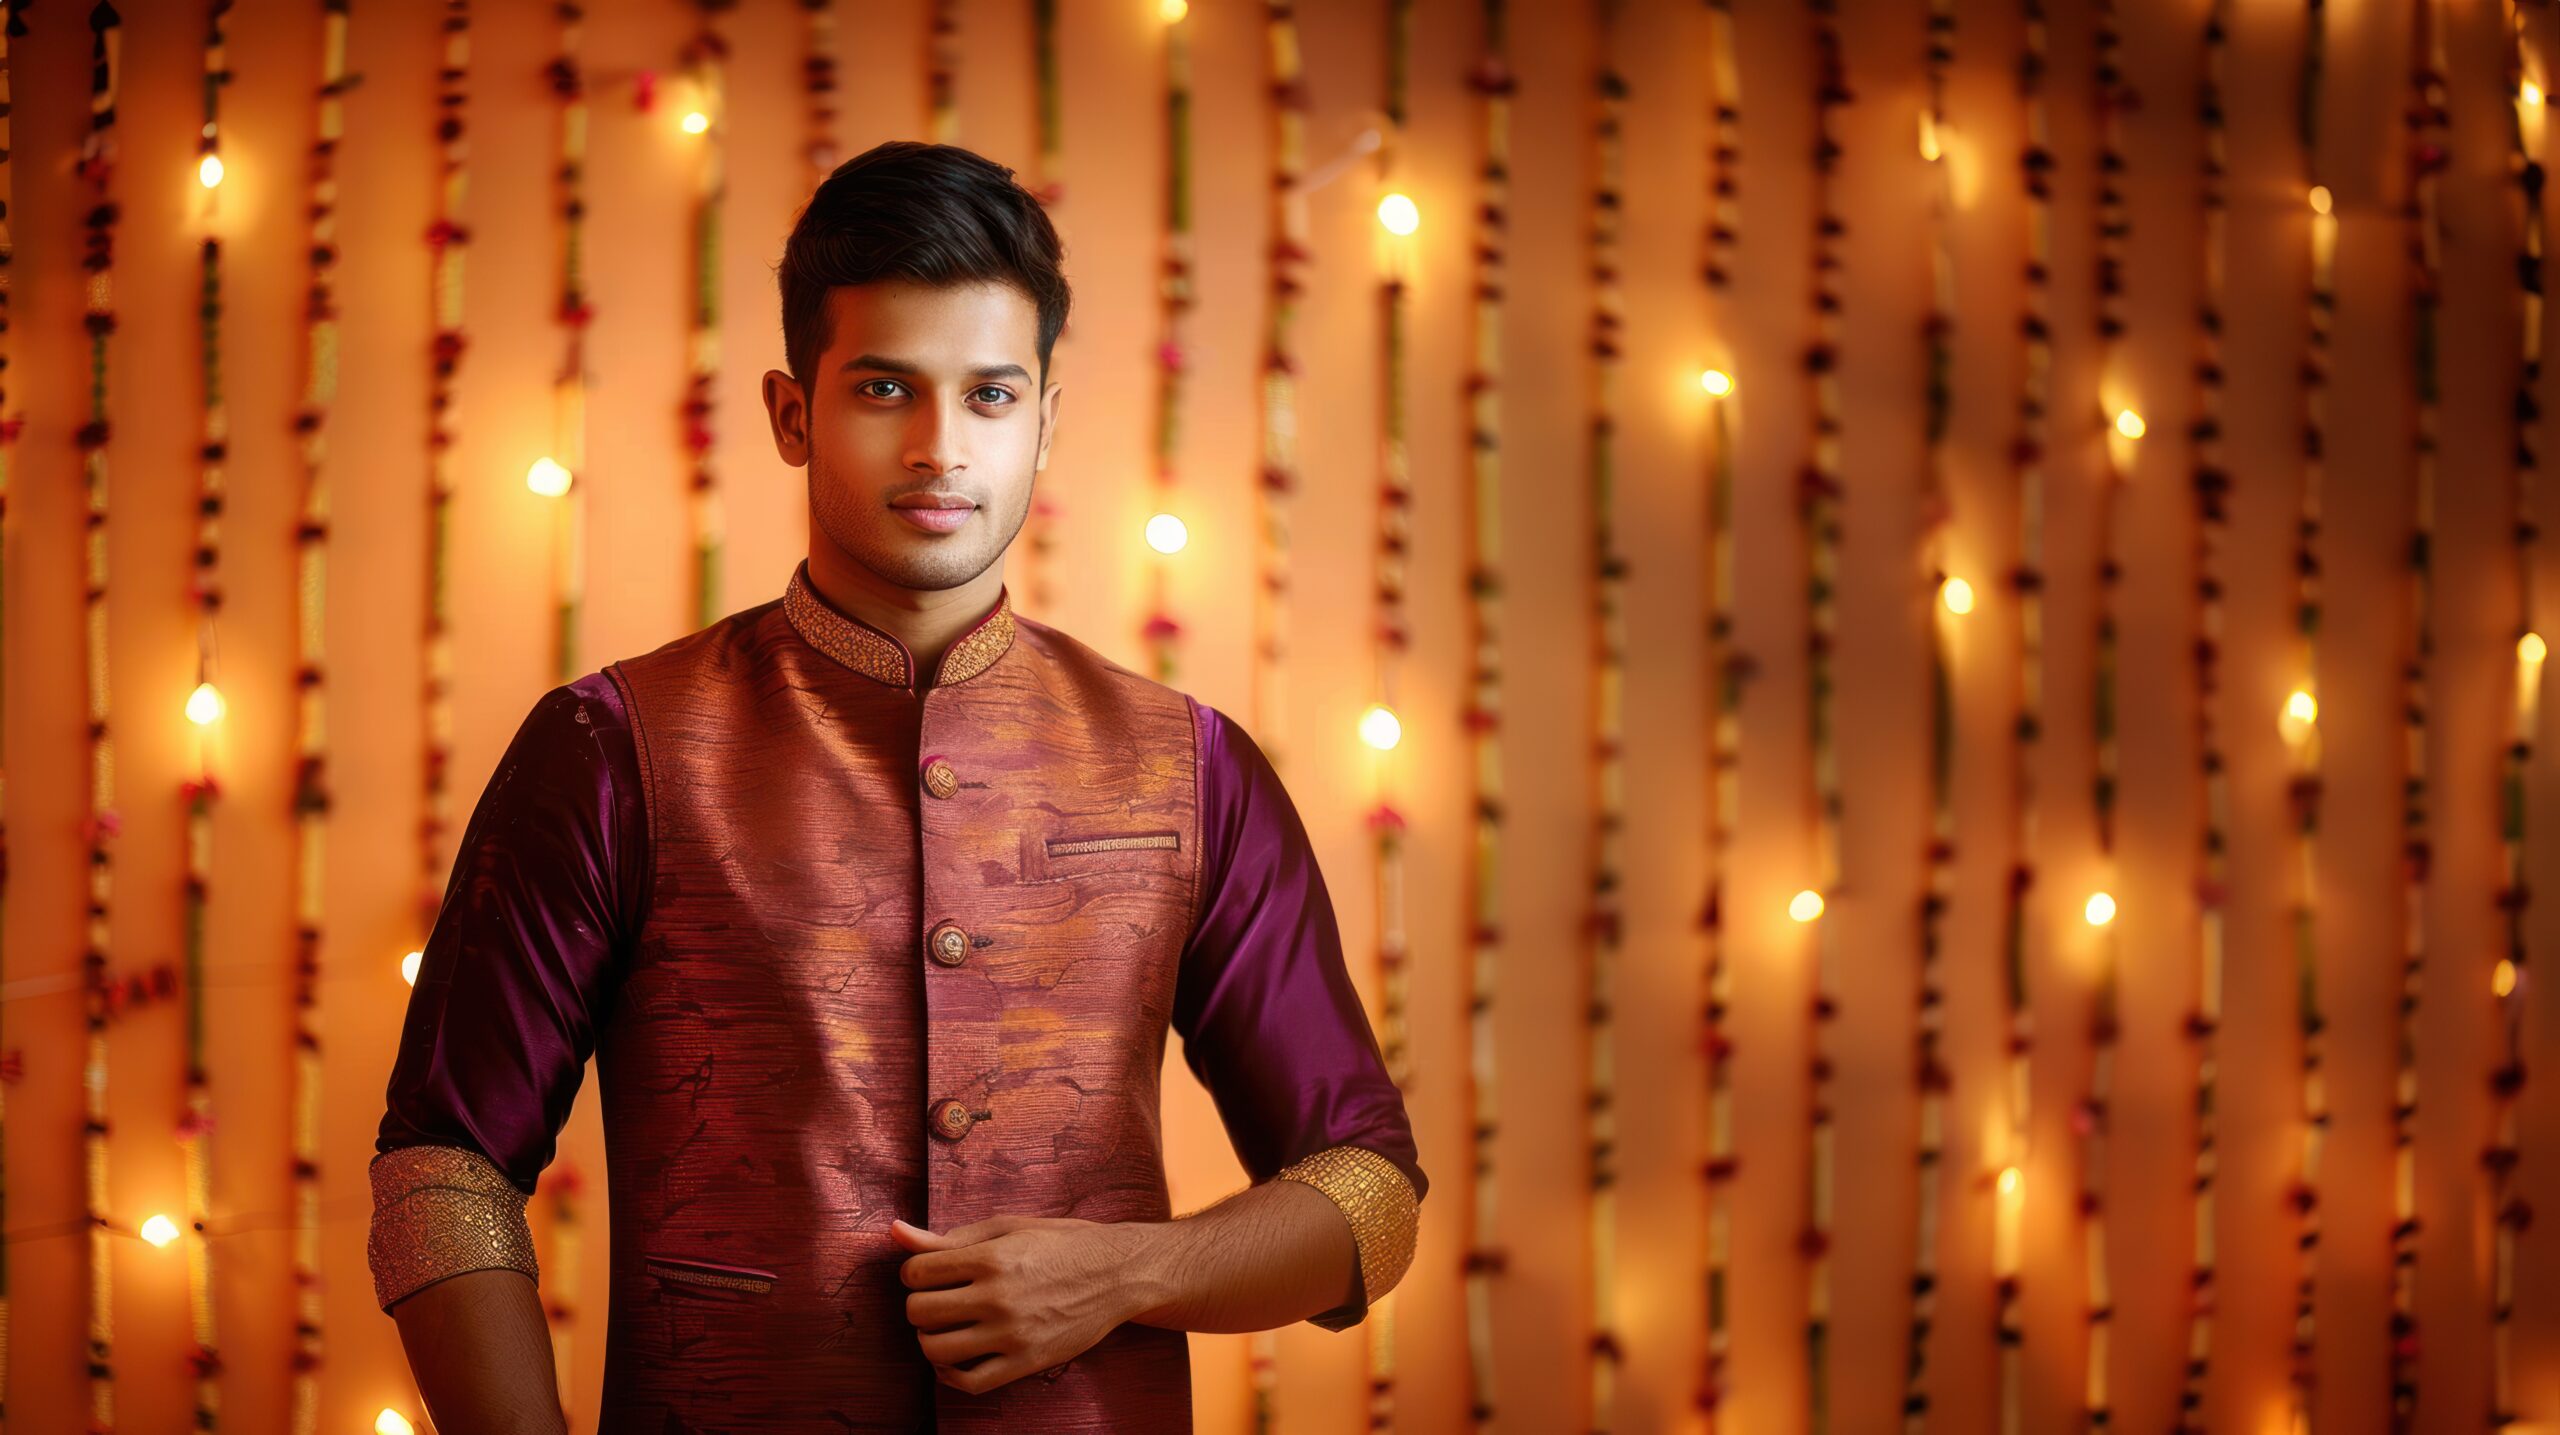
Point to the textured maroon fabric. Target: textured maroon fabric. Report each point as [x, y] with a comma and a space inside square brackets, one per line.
[555, 943]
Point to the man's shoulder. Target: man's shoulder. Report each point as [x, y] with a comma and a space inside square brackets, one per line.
[1059, 649]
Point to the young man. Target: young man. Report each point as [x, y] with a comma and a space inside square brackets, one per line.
[874, 903]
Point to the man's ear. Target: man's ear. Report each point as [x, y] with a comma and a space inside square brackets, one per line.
[787, 409]
[1048, 424]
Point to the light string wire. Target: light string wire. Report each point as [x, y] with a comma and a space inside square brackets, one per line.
[1607, 917]
[1937, 508]
[1729, 671]
[1492, 81]
[1162, 633]
[311, 798]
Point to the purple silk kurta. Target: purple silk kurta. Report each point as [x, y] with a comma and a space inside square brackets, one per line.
[551, 884]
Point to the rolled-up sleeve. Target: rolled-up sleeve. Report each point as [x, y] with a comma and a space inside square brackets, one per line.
[1272, 1025]
[517, 975]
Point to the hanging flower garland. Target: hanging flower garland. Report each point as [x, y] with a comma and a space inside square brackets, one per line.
[818, 81]
[204, 708]
[311, 786]
[1381, 728]
[563, 473]
[1042, 527]
[705, 64]
[1948, 599]
[2300, 726]
[98, 156]
[2093, 1121]
[11, 27]
[1290, 250]
[2509, 1212]
[447, 239]
[1165, 528]
[942, 71]
[1818, 500]
[2026, 583]
[2429, 123]
[1729, 670]
[1609, 630]
[2211, 484]
[1492, 81]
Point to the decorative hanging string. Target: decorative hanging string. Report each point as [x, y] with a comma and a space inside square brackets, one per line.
[204, 709]
[2300, 726]
[1380, 725]
[1290, 250]
[2211, 484]
[98, 156]
[1819, 495]
[560, 1276]
[1042, 527]
[2429, 122]
[1609, 632]
[11, 27]
[311, 753]
[1165, 531]
[705, 65]
[941, 73]
[2509, 1212]
[1728, 671]
[1949, 599]
[2093, 1121]
[1492, 81]
[447, 240]
[2026, 584]
[563, 473]
[818, 80]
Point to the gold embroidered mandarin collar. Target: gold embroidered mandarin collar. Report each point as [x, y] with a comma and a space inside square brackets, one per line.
[879, 655]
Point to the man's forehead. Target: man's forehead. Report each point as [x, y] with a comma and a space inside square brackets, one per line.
[907, 315]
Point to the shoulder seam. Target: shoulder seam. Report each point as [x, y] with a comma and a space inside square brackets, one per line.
[648, 794]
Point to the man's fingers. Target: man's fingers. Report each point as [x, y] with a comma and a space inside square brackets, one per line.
[950, 1347]
[929, 1270]
[943, 1309]
[980, 1230]
[985, 1375]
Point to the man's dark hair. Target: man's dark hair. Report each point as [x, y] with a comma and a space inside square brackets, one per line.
[936, 214]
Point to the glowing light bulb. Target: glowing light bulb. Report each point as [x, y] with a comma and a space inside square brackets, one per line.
[2010, 1176]
[2301, 707]
[2503, 980]
[1716, 382]
[209, 171]
[2531, 649]
[547, 478]
[2532, 93]
[696, 122]
[409, 967]
[1379, 727]
[1806, 905]
[2129, 423]
[160, 1230]
[1173, 10]
[204, 705]
[1166, 533]
[1929, 147]
[2320, 201]
[392, 1422]
[2101, 909]
[1958, 595]
[1399, 214]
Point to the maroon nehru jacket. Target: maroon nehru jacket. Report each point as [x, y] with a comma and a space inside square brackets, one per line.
[846, 948]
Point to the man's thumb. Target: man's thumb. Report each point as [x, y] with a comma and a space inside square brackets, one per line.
[917, 1238]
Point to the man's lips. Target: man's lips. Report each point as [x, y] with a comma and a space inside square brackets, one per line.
[934, 513]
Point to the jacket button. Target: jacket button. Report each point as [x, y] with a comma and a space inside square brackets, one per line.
[948, 944]
[949, 1119]
[940, 777]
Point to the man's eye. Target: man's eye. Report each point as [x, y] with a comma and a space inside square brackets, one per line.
[1002, 394]
[867, 383]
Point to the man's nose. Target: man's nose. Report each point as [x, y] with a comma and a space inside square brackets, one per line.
[934, 436]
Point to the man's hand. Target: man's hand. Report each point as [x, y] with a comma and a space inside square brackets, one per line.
[1025, 1293]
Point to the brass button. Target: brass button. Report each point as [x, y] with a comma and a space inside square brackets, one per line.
[948, 944]
[940, 777]
[949, 1119]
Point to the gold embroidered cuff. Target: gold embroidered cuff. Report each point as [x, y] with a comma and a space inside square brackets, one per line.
[439, 1211]
[1385, 1217]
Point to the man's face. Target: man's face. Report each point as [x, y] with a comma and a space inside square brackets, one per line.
[922, 427]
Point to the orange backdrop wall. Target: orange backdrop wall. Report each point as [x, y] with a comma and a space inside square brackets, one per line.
[1111, 217]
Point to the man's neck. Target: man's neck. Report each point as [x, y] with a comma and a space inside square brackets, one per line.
[928, 621]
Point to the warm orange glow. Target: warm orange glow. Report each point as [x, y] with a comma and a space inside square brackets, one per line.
[1806, 905]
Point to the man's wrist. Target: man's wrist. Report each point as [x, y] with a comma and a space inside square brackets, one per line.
[1147, 1275]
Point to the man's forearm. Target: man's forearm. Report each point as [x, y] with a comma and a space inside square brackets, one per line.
[1266, 1256]
[481, 1352]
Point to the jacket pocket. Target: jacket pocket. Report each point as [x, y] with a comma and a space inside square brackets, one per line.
[710, 1278]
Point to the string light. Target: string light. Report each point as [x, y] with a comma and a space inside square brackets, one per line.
[696, 122]
[2320, 200]
[409, 967]
[160, 1231]
[2100, 910]
[1380, 728]
[2532, 93]
[209, 171]
[547, 478]
[2129, 423]
[1399, 214]
[204, 705]
[1173, 11]
[1716, 382]
[1167, 534]
[392, 1422]
[1805, 905]
[1957, 594]
[2502, 979]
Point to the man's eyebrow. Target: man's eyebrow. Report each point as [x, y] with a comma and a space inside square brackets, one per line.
[888, 365]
